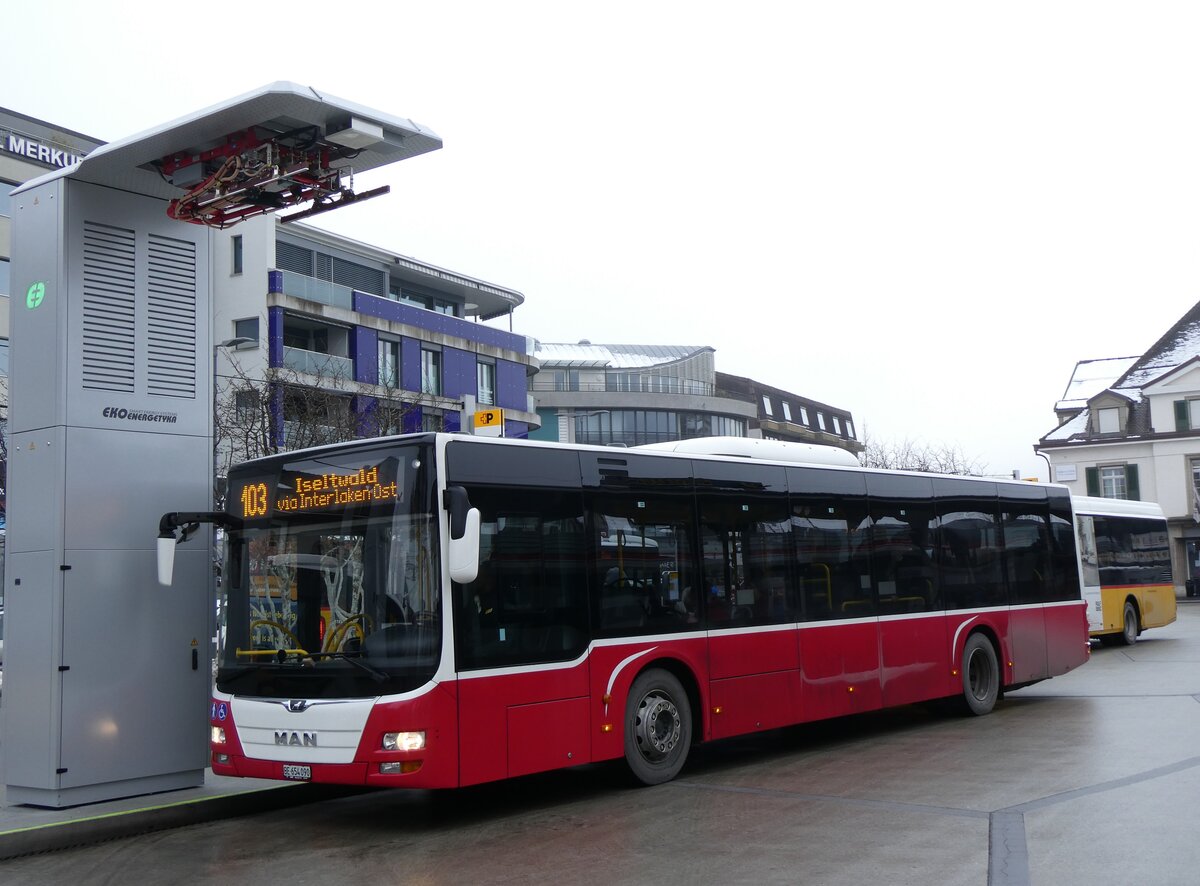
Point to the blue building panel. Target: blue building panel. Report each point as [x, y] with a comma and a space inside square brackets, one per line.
[364, 348]
[432, 321]
[410, 364]
[275, 337]
[458, 373]
[511, 390]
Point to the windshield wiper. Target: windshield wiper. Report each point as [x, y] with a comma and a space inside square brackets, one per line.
[354, 658]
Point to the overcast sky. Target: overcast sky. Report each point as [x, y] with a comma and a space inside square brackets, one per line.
[922, 212]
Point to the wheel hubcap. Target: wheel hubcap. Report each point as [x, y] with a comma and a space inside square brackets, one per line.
[657, 727]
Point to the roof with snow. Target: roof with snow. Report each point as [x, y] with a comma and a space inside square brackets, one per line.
[1178, 345]
[586, 355]
[1090, 378]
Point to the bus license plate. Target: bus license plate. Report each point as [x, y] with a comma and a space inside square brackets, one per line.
[298, 773]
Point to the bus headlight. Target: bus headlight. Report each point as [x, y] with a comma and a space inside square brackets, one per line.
[218, 735]
[404, 741]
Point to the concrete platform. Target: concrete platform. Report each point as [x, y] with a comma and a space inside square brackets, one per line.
[25, 830]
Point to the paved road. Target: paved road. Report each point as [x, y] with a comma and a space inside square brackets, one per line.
[1089, 778]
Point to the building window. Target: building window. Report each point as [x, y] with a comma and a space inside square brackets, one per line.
[787, 411]
[850, 429]
[1187, 415]
[767, 405]
[389, 363]
[1108, 420]
[566, 379]
[821, 420]
[431, 372]
[394, 291]
[237, 253]
[485, 383]
[445, 307]
[4, 278]
[837, 426]
[1113, 481]
[246, 406]
[803, 415]
[5, 197]
[247, 328]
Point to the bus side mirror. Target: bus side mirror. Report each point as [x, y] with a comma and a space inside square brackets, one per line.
[464, 551]
[166, 559]
[464, 535]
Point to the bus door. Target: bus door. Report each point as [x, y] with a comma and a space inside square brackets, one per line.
[912, 633]
[521, 628]
[839, 635]
[1089, 559]
[749, 599]
[1027, 567]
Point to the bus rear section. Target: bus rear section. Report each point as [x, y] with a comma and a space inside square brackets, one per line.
[1125, 554]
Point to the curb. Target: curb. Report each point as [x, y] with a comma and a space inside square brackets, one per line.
[100, 828]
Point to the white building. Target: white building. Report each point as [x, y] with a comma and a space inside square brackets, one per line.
[1129, 427]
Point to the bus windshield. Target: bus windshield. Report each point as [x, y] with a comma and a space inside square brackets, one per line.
[332, 579]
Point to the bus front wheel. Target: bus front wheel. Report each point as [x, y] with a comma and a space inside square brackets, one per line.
[980, 676]
[658, 727]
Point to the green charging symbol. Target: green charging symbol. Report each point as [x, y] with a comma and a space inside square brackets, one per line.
[34, 295]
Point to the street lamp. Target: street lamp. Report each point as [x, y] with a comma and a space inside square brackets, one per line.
[220, 487]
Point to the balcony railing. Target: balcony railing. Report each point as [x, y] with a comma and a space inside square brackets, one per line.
[325, 366]
[302, 286]
[653, 386]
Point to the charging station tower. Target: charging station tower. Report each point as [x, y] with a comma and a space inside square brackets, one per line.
[107, 673]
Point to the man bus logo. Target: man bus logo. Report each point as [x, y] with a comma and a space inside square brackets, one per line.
[34, 295]
[296, 739]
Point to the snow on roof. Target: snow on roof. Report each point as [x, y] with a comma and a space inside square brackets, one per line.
[586, 354]
[1180, 343]
[1069, 428]
[1090, 378]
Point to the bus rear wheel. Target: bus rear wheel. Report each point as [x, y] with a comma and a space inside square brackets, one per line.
[980, 676]
[1129, 624]
[658, 727]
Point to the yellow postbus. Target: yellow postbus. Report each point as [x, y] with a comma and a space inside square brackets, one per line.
[1126, 559]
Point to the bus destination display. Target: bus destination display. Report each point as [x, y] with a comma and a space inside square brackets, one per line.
[308, 493]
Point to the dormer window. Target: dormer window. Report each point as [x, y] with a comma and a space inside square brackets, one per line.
[1108, 420]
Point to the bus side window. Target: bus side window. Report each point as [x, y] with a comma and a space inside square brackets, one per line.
[528, 603]
[643, 573]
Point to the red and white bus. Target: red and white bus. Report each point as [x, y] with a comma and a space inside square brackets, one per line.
[437, 610]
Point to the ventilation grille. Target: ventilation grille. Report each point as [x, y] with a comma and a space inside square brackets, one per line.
[108, 308]
[171, 318]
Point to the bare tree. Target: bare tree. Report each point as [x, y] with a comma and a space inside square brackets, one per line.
[918, 455]
[286, 409]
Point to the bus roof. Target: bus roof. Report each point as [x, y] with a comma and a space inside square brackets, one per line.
[1116, 507]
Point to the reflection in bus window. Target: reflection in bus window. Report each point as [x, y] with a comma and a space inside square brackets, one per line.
[746, 549]
[529, 600]
[644, 574]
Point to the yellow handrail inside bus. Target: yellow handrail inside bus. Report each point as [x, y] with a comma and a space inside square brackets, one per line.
[828, 583]
[264, 652]
[264, 623]
[337, 638]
